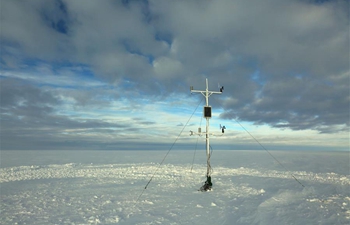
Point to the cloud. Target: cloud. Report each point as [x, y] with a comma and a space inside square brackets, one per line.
[283, 63]
[31, 27]
[167, 69]
[297, 48]
[32, 116]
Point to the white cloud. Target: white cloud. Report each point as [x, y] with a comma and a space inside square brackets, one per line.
[165, 67]
[283, 63]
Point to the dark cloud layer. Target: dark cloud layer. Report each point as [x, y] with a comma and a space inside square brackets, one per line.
[297, 103]
[30, 119]
[283, 63]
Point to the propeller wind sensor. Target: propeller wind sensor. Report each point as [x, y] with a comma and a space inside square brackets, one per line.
[221, 87]
[222, 128]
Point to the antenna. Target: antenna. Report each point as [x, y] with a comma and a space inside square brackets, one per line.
[207, 115]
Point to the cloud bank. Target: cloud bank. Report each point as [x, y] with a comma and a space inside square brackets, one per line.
[284, 64]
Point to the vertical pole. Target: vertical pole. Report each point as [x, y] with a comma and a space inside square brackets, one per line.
[207, 130]
[208, 184]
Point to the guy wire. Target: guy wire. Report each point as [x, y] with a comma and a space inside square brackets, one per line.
[271, 154]
[168, 152]
[194, 154]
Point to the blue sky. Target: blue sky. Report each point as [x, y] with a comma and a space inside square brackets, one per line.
[116, 74]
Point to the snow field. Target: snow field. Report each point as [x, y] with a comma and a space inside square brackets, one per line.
[88, 193]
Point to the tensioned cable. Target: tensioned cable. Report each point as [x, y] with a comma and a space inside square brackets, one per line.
[194, 154]
[270, 154]
[168, 152]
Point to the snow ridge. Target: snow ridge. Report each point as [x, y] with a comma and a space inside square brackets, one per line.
[142, 171]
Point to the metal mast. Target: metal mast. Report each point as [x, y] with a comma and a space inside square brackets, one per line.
[207, 116]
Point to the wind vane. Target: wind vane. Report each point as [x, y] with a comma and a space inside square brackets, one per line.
[207, 115]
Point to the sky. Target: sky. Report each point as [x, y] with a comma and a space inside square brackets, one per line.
[115, 75]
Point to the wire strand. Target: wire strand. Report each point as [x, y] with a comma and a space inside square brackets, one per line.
[194, 154]
[292, 175]
[171, 147]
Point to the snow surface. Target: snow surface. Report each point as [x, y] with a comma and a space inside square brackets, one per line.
[108, 187]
